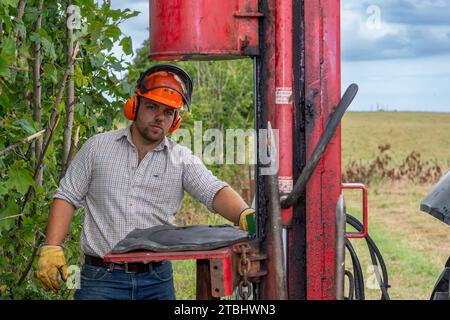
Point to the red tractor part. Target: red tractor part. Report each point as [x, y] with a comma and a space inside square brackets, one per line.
[365, 207]
[295, 45]
[219, 271]
[203, 29]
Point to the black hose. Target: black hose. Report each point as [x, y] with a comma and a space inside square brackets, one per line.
[351, 285]
[377, 260]
[358, 274]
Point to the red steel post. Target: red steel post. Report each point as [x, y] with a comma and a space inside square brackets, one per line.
[283, 98]
[322, 90]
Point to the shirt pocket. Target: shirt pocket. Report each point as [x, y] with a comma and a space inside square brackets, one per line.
[164, 189]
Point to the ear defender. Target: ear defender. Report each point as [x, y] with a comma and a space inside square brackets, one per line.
[130, 108]
[176, 123]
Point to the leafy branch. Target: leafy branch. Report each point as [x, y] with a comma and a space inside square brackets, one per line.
[23, 141]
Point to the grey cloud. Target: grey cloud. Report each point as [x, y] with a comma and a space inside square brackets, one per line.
[417, 29]
[407, 11]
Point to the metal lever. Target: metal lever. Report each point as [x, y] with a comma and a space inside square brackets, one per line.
[311, 165]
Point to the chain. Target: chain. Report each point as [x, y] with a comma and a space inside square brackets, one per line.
[244, 286]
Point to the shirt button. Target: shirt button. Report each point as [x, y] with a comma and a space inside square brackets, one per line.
[131, 204]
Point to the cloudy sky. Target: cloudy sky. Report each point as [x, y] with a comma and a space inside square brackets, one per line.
[398, 51]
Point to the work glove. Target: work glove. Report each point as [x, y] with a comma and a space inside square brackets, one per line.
[52, 265]
[247, 220]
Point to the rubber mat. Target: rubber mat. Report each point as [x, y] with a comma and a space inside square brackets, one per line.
[166, 238]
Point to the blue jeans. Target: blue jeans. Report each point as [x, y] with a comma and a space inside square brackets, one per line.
[109, 283]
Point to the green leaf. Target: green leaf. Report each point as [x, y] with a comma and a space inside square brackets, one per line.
[95, 29]
[11, 3]
[130, 14]
[22, 30]
[30, 14]
[26, 124]
[128, 88]
[108, 44]
[3, 189]
[4, 70]
[4, 97]
[19, 178]
[115, 14]
[62, 106]
[43, 33]
[97, 60]
[8, 47]
[49, 48]
[8, 23]
[113, 32]
[35, 37]
[79, 108]
[127, 45]
[6, 225]
[11, 208]
[87, 99]
[51, 72]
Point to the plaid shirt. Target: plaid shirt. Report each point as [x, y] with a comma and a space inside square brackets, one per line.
[119, 195]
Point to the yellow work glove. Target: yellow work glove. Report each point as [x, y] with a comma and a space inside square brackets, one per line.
[52, 264]
[247, 220]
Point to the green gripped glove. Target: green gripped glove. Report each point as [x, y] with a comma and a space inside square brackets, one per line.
[247, 220]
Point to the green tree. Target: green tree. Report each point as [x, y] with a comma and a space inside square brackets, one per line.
[36, 48]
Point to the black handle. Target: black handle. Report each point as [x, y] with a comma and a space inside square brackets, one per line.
[329, 132]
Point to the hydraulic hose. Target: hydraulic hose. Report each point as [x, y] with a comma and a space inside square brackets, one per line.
[377, 260]
[358, 277]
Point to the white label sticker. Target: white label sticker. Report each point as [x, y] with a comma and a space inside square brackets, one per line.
[283, 96]
[285, 184]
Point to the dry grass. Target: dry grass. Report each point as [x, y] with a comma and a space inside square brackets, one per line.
[414, 244]
[426, 133]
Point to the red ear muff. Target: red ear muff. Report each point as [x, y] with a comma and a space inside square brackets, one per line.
[130, 108]
[176, 123]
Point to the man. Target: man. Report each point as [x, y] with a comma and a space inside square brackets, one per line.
[132, 178]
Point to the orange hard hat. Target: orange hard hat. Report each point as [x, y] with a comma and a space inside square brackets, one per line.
[162, 87]
[165, 83]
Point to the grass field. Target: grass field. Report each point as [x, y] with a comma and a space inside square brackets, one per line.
[426, 133]
[414, 245]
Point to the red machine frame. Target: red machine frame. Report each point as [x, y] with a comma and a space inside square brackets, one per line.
[365, 210]
[218, 271]
[296, 49]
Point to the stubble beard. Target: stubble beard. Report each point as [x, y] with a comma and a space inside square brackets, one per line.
[146, 134]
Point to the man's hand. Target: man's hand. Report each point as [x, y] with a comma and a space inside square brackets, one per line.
[247, 220]
[52, 263]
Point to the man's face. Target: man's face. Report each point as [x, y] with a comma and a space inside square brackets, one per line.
[153, 119]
